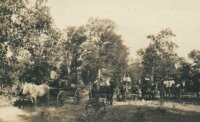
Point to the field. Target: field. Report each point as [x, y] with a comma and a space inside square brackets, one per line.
[129, 111]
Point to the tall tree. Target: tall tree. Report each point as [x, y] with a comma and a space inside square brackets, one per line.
[159, 58]
[75, 36]
[194, 55]
[184, 73]
[96, 46]
[26, 27]
[106, 48]
[9, 10]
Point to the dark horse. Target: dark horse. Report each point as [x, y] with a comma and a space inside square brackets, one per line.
[103, 91]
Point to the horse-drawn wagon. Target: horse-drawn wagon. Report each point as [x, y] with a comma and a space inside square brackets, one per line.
[100, 95]
[127, 90]
[70, 91]
[66, 88]
[149, 89]
[60, 90]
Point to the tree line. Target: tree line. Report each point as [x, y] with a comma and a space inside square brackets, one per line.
[31, 47]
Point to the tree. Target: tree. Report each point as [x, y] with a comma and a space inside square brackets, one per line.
[94, 47]
[9, 9]
[106, 49]
[159, 58]
[184, 70]
[194, 55]
[75, 36]
[27, 27]
[31, 47]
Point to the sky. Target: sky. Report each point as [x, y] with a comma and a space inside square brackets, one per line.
[135, 19]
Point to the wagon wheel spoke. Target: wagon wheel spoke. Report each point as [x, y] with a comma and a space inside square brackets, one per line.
[61, 98]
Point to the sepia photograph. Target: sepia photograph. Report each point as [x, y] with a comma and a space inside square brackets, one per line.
[99, 60]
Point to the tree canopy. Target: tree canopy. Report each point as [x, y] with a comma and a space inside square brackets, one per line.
[31, 47]
[159, 57]
[96, 46]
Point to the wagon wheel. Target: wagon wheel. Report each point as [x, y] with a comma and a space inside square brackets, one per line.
[78, 96]
[61, 98]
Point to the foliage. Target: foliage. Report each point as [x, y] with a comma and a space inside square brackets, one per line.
[26, 29]
[159, 58]
[106, 49]
[93, 47]
[74, 38]
[31, 48]
[184, 73]
[135, 71]
[194, 55]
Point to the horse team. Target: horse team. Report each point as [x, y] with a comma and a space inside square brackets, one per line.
[168, 89]
[29, 93]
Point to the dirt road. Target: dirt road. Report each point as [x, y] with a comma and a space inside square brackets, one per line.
[148, 111]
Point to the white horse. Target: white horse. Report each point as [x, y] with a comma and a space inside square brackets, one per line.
[34, 91]
[169, 87]
[168, 83]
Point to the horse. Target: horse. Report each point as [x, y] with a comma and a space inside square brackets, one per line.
[179, 89]
[102, 91]
[36, 91]
[109, 93]
[169, 87]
